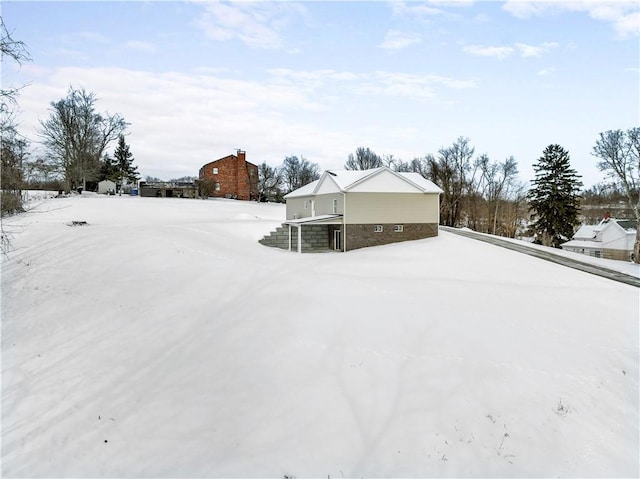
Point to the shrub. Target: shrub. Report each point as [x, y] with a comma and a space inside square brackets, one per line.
[10, 203]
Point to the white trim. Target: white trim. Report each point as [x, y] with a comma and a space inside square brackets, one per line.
[344, 222]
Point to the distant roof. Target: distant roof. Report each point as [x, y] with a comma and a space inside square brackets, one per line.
[586, 232]
[628, 224]
[347, 179]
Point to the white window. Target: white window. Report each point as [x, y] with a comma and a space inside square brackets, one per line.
[215, 171]
[398, 228]
[378, 229]
[306, 204]
[217, 186]
[335, 206]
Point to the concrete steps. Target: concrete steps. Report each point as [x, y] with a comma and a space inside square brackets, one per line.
[314, 238]
[280, 238]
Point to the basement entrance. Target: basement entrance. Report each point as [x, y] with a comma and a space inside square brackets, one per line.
[315, 233]
[337, 240]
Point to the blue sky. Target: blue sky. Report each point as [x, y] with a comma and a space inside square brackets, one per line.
[198, 80]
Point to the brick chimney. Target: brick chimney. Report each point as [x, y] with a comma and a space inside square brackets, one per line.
[242, 176]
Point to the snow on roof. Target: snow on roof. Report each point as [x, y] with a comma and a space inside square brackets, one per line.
[585, 232]
[346, 179]
[306, 190]
[428, 185]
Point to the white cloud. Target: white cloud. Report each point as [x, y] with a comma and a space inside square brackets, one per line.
[85, 37]
[452, 82]
[257, 24]
[623, 15]
[406, 85]
[179, 121]
[414, 9]
[140, 46]
[497, 52]
[504, 51]
[533, 50]
[547, 71]
[395, 40]
[381, 83]
[526, 9]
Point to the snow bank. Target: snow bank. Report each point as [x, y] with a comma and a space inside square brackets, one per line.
[161, 340]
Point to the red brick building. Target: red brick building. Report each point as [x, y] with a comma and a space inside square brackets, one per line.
[233, 177]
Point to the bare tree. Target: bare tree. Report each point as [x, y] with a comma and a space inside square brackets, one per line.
[17, 51]
[297, 172]
[269, 182]
[417, 165]
[498, 179]
[449, 170]
[13, 154]
[364, 159]
[75, 136]
[13, 146]
[619, 153]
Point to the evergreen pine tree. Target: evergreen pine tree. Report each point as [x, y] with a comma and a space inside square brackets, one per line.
[109, 169]
[555, 196]
[124, 163]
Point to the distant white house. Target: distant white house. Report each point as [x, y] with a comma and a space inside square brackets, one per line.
[611, 239]
[105, 186]
[346, 210]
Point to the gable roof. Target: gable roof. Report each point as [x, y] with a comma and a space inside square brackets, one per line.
[382, 180]
[585, 232]
[589, 232]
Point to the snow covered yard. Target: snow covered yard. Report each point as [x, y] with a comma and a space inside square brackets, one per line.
[161, 340]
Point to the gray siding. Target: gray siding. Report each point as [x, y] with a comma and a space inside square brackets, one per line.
[323, 205]
[392, 208]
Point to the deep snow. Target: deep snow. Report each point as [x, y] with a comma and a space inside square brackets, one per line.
[161, 340]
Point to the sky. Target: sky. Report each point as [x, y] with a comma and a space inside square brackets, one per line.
[198, 80]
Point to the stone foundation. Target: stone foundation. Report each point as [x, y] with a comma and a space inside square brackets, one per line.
[617, 254]
[318, 237]
[362, 236]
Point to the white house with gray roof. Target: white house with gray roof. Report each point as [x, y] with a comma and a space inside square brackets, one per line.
[611, 239]
[346, 210]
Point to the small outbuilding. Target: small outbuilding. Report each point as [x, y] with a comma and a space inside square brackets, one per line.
[346, 210]
[168, 189]
[106, 186]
